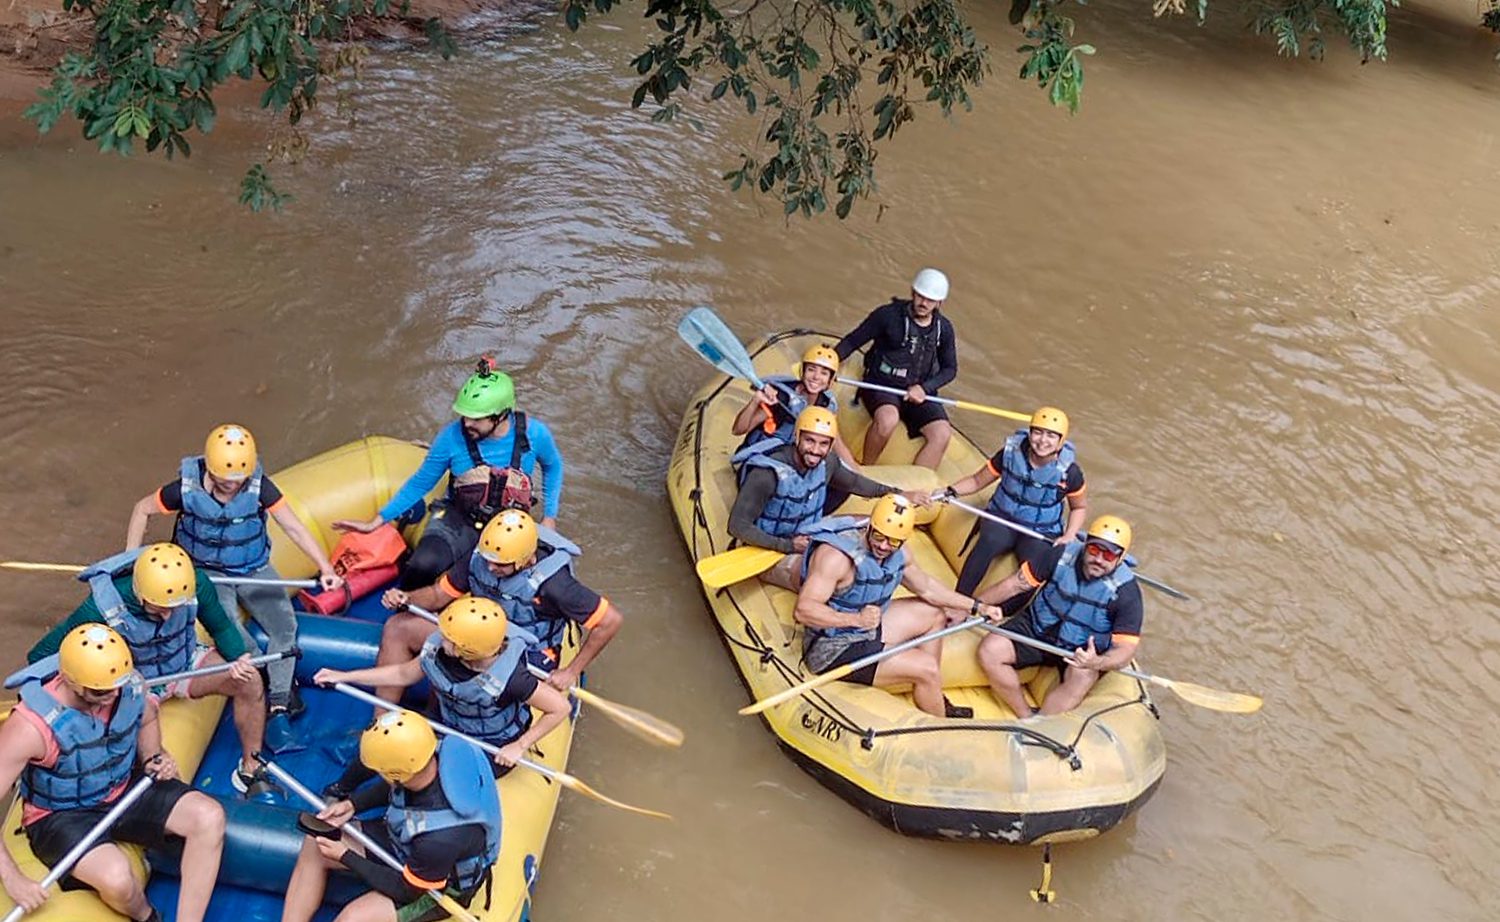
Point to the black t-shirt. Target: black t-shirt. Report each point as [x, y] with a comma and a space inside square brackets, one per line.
[1072, 480]
[760, 485]
[520, 686]
[169, 497]
[434, 855]
[1127, 613]
[559, 598]
[891, 332]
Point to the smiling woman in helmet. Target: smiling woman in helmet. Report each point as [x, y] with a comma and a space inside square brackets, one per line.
[1041, 487]
[912, 347]
[490, 455]
[1084, 598]
[222, 499]
[773, 410]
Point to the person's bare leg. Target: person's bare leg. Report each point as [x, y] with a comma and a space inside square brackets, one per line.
[996, 657]
[936, 434]
[109, 872]
[199, 819]
[372, 907]
[882, 424]
[304, 892]
[400, 640]
[1070, 692]
[921, 671]
[249, 700]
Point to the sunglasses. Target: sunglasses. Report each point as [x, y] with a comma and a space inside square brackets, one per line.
[1105, 552]
[893, 543]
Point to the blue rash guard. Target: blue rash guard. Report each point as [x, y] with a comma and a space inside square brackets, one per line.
[449, 455]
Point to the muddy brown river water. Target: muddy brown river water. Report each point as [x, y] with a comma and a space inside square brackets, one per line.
[1264, 289]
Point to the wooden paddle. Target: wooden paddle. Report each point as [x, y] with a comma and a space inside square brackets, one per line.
[562, 778]
[733, 566]
[1212, 698]
[949, 401]
[648, 727]
[1013, 526]
[833, 675]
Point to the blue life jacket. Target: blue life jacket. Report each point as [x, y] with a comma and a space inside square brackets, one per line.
[469, 785]
[477, 706]
[1032, 496]
[1070, 609]
[785, 414]
[93, 757]
[798, 500]
[229, 537]
[875, 581]
[517, 593]
[158, 647]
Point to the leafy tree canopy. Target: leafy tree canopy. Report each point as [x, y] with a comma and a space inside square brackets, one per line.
[830, 80]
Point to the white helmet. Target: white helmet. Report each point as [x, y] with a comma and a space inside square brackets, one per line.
[930, 283]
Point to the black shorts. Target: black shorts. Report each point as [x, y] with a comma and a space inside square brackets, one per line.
[1026, 655]
[860, 649]
[915, 415]
[143, 823]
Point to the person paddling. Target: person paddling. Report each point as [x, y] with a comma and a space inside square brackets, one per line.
[155, 598]
[773, 410]
[82, 731]
[850, 572]
[476, 665]
[490, 454]
[1085, 598]
[222, 499]
[1041, 487]
[528, 569]
[912, 347]
[442, 823]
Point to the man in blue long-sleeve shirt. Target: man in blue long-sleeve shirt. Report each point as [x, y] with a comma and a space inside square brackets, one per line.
[489, 454]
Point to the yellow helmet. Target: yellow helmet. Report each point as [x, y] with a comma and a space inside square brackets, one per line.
[817, 419]
[229, 453]
[94, 656]
[823, 357]
[510, 537]
[894, 516]
[1052, 419]
[475, 626]
[397, 745]
[1113, 529]
[164, 576]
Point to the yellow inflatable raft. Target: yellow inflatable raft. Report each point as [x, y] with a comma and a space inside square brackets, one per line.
[1052, 779]
[351, 481]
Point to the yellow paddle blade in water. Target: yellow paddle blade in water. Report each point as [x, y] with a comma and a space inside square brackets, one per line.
[1214, 699]
[731, 567]
[574, 784]
[648, 727]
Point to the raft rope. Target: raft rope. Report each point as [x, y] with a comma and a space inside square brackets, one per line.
[868, 735]
[1043, 892]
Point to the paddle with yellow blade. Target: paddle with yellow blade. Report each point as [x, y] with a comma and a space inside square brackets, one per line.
[1212, 698]
[833, 675]
[353, 831]
[562, 778]
[733, 566]
[215, 578]
[961, 404]
[648, 727]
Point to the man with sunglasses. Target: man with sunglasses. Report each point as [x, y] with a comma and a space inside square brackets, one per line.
[1085, 598]
[912, 347]
[490, 454]
[849, 573]
[155, 598]
[82, 732]
[222, 499]
[1041, 487]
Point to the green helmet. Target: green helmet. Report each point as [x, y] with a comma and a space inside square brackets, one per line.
[487, 393]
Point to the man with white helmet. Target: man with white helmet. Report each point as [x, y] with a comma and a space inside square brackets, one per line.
[912, 347]
[222, 499]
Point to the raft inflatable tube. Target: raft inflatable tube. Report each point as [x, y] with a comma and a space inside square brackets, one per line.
[261, 842]
[1053, 779]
